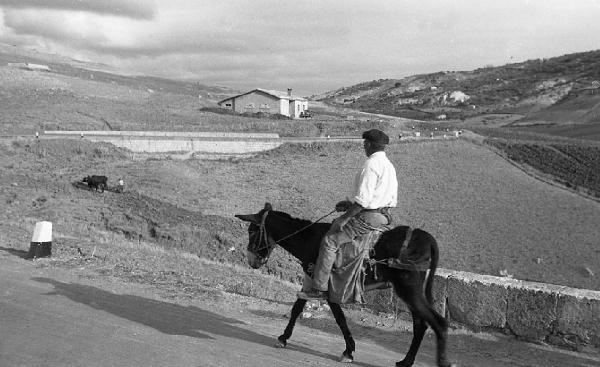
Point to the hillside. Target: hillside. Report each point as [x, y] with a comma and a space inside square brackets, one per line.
[48, 92]
[556, 92]
[67, 67]
[41, 92]
[487, 215]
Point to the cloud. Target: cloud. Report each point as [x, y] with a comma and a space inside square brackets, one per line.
[318, 44]
[191, 29]
[136, 9]
[69, 28]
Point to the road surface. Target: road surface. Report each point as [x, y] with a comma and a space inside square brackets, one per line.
[71, 317]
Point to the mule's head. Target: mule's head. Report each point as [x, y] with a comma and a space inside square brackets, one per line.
[260, 244]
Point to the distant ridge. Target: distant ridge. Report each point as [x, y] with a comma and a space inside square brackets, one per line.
[79, 68]
[557, 91]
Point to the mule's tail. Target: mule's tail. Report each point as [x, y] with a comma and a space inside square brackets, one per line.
[433, 263]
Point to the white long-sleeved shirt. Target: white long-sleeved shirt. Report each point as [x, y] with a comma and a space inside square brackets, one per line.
[376, 185]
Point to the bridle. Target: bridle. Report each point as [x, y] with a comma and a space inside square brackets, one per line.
[263, 237]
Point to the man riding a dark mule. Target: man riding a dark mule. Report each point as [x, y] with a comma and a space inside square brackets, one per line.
[366, 211]
[399, 258]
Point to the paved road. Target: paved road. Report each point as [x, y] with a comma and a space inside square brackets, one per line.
[57, 317]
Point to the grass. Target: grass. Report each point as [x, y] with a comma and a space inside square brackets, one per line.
[178, 273]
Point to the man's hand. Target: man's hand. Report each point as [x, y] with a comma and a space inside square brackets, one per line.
[350, 212]
[338, 224]
[342, 206]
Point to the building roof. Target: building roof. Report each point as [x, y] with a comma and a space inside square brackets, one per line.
[274, 93]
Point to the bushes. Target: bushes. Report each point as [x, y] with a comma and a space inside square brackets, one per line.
[257, 115]
[219, 110]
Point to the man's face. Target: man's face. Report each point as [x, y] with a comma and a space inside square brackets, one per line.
[367, 147]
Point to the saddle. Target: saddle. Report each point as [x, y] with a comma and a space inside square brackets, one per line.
[406, 260]
[350, 279]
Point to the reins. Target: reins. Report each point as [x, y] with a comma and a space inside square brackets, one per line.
[305, 227]
[263, 230]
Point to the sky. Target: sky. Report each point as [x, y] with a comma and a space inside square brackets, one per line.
[311, 46]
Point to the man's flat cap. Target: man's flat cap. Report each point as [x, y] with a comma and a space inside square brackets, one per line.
[376, 136]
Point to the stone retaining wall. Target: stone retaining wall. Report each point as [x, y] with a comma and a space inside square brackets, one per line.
[533, 311]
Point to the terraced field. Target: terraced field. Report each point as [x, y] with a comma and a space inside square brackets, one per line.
[576, 166]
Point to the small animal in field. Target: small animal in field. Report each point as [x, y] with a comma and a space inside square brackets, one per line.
[98, 183]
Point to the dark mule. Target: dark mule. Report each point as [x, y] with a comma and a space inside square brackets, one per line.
[301, 238]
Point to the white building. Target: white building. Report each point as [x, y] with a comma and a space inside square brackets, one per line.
[269, 101]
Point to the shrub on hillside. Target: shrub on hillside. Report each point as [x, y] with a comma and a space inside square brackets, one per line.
[258, 115]
[219, 110]
[265, 115]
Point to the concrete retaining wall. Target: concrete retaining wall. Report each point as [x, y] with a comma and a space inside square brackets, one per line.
[190, 145]
[532, 311]
[180, 142]
[178, 134]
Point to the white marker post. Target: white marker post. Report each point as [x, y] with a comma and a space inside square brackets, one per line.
[41, 241]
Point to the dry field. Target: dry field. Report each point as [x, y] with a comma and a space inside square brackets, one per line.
[488, 215]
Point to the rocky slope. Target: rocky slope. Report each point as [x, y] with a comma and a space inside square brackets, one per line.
[558, 90]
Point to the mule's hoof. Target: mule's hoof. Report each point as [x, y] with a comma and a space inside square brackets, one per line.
[404, 363]
[281, 343]
[346, 358]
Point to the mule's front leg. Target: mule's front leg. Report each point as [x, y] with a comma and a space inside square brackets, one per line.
[296, 310]
[340, 319]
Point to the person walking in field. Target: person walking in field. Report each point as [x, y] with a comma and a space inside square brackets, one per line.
[120, 185]
[374, 192]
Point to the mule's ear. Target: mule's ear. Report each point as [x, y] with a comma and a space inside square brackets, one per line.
[268, 206]
[252, 218]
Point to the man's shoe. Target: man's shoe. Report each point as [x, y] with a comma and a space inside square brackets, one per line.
[312, 294]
